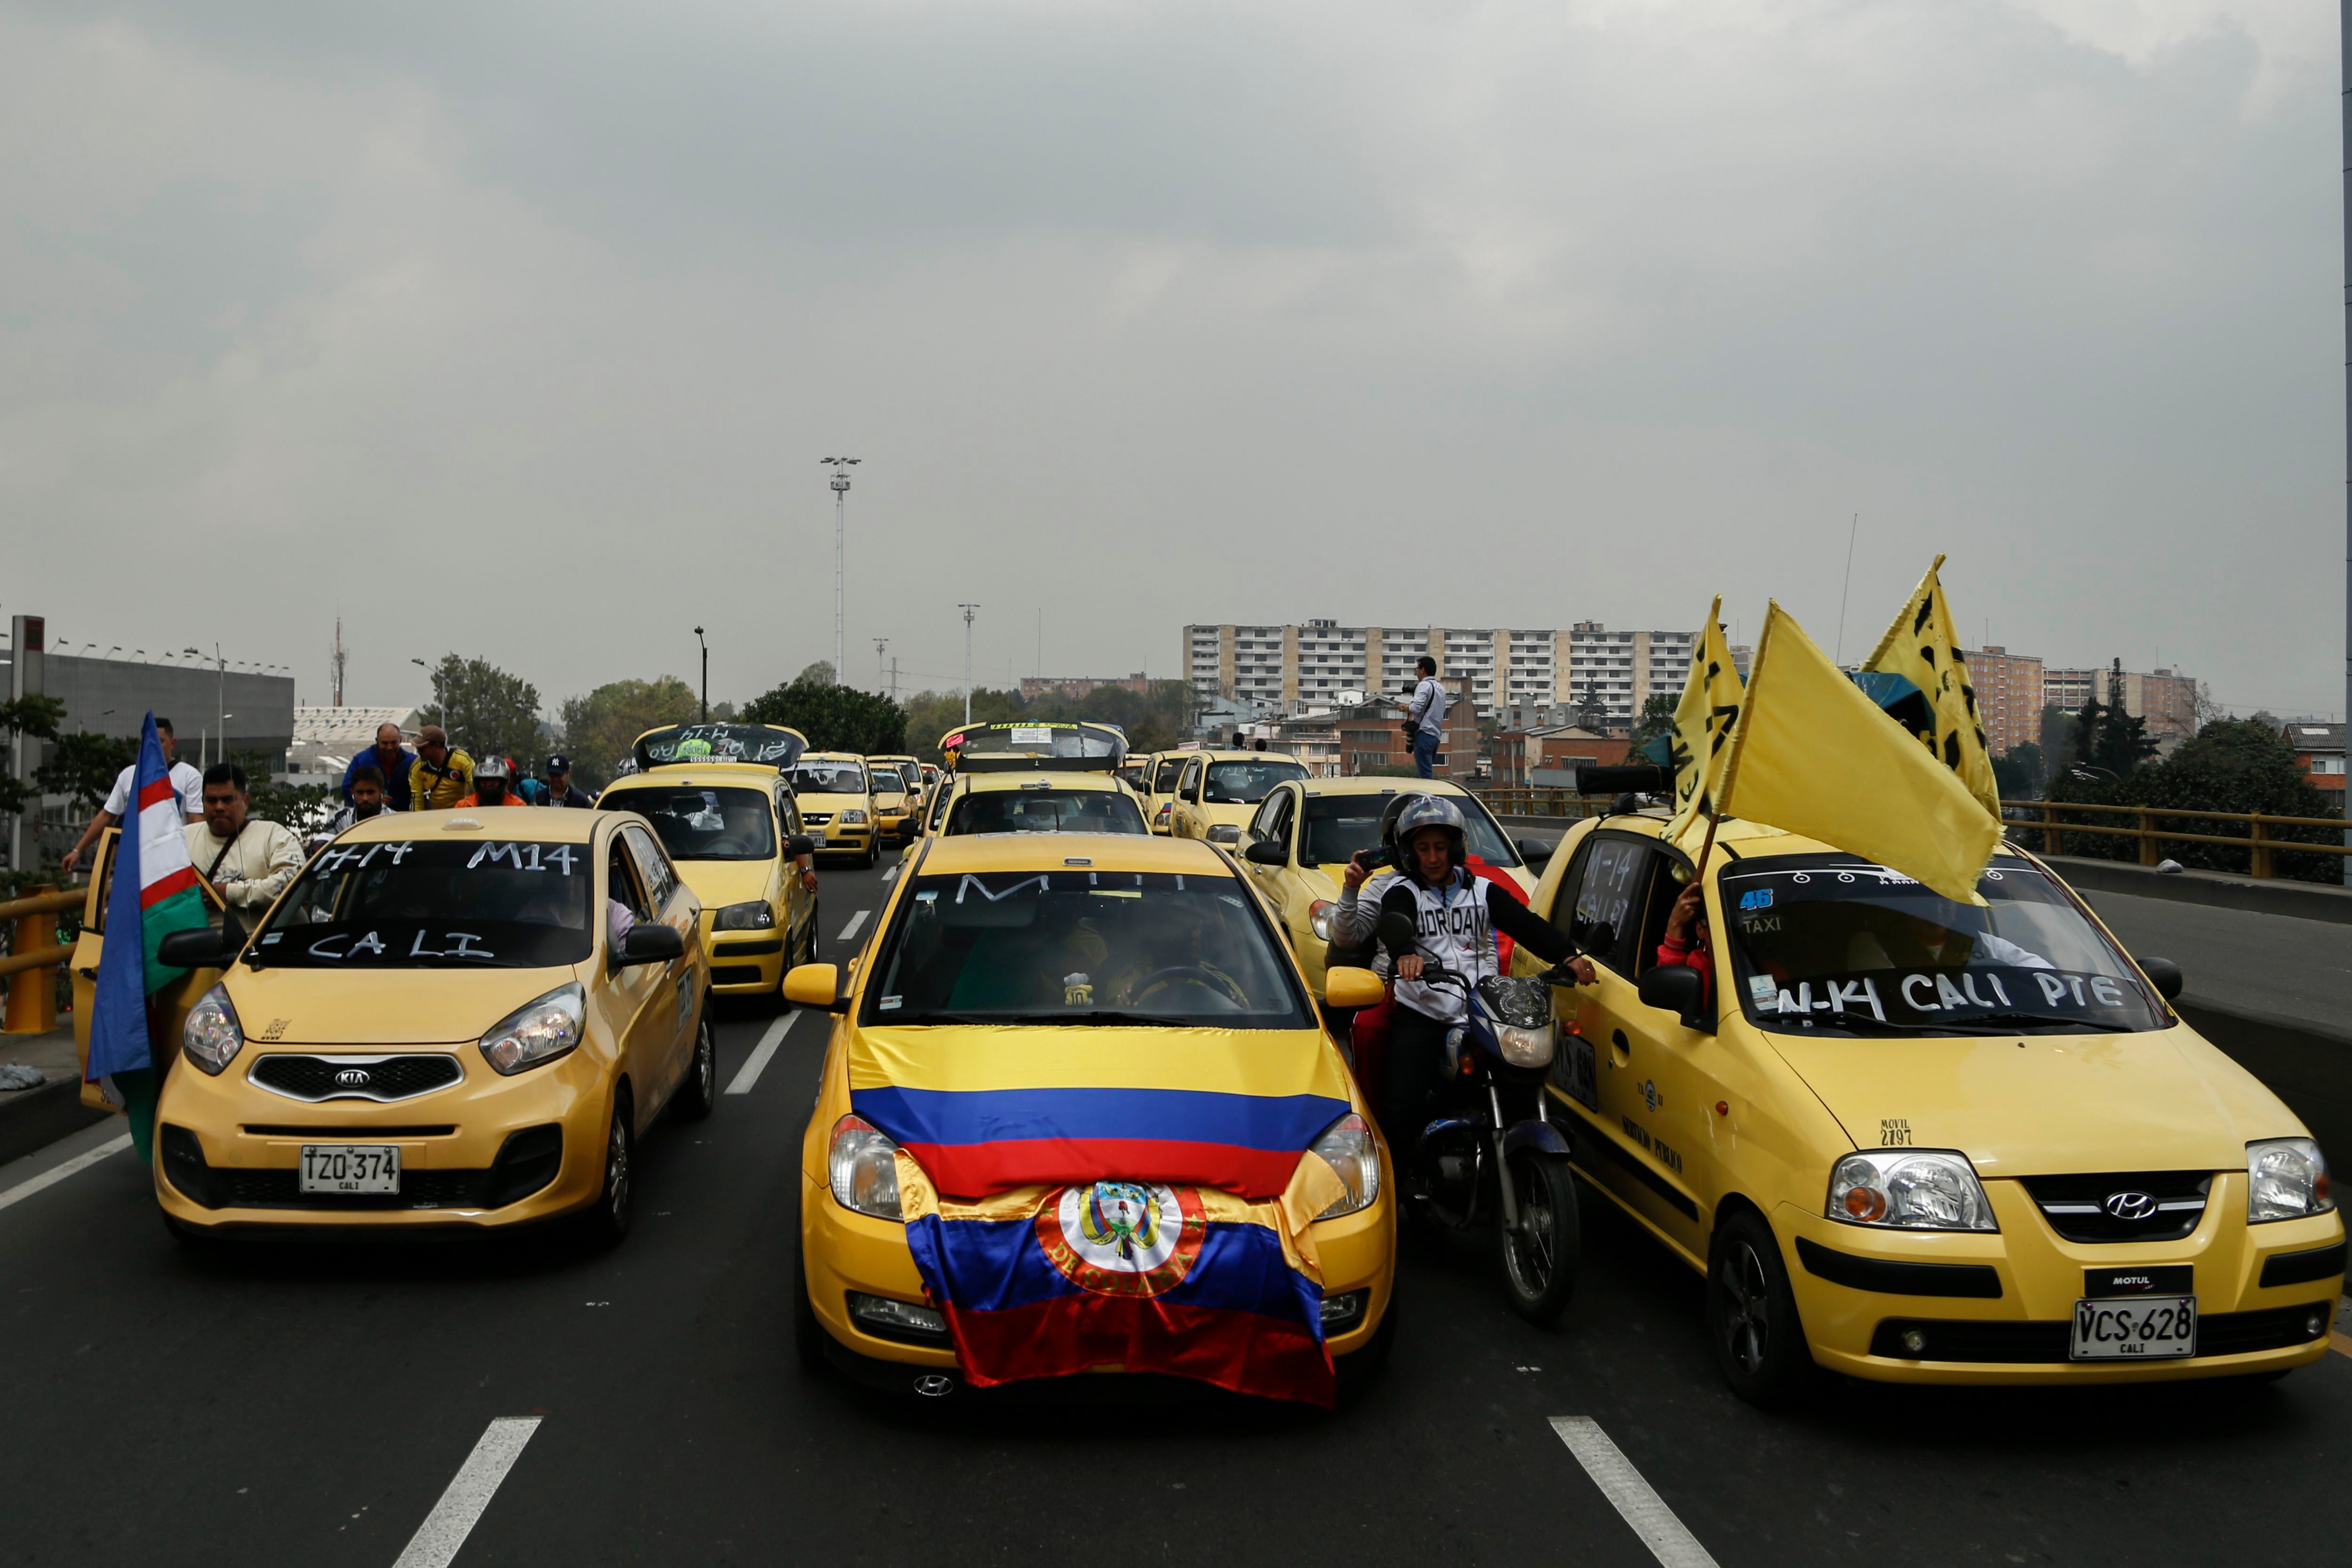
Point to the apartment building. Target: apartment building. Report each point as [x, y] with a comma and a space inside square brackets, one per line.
[2009, 687]
[1326, 661]
[2164, 698]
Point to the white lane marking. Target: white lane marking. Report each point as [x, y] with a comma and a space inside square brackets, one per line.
[757, 1062]
[74, 1166]
[856, 920]
[1622, 1484]
[892, 875]
[437, 1541]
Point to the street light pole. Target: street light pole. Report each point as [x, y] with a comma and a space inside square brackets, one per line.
[840, 467]
[2344, 43]
[706, 675]
[968, 609]
[881, 673]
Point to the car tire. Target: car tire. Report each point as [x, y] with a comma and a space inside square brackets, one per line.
[698, 1097]
[873, 853]
[1751, 1315]
[606, 1224]
[1540, 1265]
[1360, 1367]
[808, 1333]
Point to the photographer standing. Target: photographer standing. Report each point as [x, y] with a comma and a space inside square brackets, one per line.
[1424, 720]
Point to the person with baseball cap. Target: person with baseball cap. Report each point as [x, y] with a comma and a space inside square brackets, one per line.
[561, 790]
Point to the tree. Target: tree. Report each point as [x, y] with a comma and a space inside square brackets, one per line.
[833, 718]
[1657, 717]
[600, 729]
[931, 714]
[2018, 773]
[2058, 747]
[487, 712]
[83, 767]
[38, 717]
[2236, 765]
[2122, 745]
[821, 673]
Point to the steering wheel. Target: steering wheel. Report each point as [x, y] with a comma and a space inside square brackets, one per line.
[1197, 975]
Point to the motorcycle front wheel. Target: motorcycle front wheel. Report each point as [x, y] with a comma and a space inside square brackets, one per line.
[1540, 1263]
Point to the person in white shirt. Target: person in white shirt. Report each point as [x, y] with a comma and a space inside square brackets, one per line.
[249, 861]
[187, 783]
[1427, 717]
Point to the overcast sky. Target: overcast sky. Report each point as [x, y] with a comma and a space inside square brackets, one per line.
[519, 330]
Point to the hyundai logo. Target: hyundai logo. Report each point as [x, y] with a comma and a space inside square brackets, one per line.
[357, 1078]
[2129, 1205]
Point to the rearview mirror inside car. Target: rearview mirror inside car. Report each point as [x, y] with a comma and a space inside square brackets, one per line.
[205, 949]
[1347, 988]
[1267, 852]
[648, 943]
[1675, 988]
[814, 985]
[2165, 976]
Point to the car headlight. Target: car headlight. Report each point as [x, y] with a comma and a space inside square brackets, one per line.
[1349, 1147]
[2286, 1178]
[211, 1037]
[853, 815]
[864, 1167]
[1914, 1189]
[1318, 918]
[1525, 1047]
[537, 1032]
[757, 915]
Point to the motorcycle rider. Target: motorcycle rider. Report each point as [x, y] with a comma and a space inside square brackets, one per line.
[1455, 915]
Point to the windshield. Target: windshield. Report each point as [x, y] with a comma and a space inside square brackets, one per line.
[766, 743]
[1083, 947]
[1829, 942]
[1247, 783]
[1046, 811]
[1339, 825]
[829, 778]
[475, 904]
[705, 823]
[888, 781]
[1048, 739]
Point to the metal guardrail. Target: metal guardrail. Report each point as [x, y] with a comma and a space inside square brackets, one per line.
[1525, 800]
[2256, 841]
[32, 1006]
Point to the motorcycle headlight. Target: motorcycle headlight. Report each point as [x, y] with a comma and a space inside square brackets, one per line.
[757, 915]
[211, 1037]
[537, 1032]
[1349, 1147]
[1318, 918]
[1525, 1047]
[1914, 1189]
[853, 815]
[2286, 1178]
[864, 1168]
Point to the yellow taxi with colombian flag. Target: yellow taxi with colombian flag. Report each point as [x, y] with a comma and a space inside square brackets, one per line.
[835, 791]
[1217, 793]
[728, 816]
[1297, 848]
[1104, 1041]
[1915, 1139]
[451, 1019]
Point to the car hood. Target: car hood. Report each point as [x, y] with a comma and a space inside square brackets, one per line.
[832, 802]
[718, 883]
[286, 1006]
[2038, 1104]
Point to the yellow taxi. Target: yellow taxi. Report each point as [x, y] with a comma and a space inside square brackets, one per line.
[1919, 1141]
[1298, 844]
[1038, 803]
[1159, 787]
[1107, 1037]
[898, 796]
[733, 829]
[439, 1024]
[835, 791]
[1217, 793]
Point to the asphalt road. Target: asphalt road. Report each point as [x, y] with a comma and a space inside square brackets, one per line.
[2241, 959]
[313, 1406]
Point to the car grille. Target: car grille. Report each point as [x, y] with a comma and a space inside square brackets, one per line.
[816, 818]
[2079, 1208]
[2218, 1334]
[388, 1078]
[526, 1161]
[734, 975]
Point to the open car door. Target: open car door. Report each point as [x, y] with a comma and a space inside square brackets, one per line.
[172, 1002]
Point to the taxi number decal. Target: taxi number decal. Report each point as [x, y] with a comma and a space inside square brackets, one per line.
[1664, 1152]
[1893, 1133]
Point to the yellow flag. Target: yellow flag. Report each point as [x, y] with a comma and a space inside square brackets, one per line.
[1812, 755]
[1920, 646]
[1704, 720]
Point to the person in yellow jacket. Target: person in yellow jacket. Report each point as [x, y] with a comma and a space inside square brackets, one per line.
[440, 777]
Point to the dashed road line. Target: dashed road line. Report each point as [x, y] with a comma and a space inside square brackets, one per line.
[757, 1062]
[892, 874]
[1673, 1545]
[437, 1541]
[74, 1166]
[857, 921]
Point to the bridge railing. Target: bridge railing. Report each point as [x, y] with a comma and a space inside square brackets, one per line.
[33, 959]
[2057, 819]
[1526, 800]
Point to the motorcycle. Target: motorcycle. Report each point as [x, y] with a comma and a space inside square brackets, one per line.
[1503, 1151]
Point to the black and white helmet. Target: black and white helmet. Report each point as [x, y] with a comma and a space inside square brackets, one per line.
[1413, 813]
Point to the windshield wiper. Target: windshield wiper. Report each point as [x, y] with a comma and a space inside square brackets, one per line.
[1097, 1016]
[2017, 1023]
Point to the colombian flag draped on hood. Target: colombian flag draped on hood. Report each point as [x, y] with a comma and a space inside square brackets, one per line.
[1082, 1197]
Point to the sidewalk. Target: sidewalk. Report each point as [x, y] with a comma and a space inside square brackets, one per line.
[30, 1118]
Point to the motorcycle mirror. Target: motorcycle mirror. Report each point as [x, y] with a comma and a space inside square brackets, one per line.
[1396, 933]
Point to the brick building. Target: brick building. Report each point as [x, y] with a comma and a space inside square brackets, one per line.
[2318, 752]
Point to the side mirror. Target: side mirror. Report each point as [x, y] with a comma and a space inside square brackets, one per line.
[2162, 973]
[799, 844]
[1224, 833]
[1536, 851]
[1396, 933]
[816, 985]
[1675, 988]
[1347, 988]
[650, 942]
[1267, 852]
[195, 950]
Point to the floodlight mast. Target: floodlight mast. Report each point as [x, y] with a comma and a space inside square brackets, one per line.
[967, 610]
[840, 467]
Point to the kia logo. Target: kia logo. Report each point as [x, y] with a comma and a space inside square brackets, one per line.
[357, 1078]
[2129, 1205]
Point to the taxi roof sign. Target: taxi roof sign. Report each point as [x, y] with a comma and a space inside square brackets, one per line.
[1062, 744]
[770, 745]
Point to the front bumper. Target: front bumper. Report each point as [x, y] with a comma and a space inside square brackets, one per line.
[485, 1152]
[1856, 1312]
[855, 839]
[745, 963]
[842, 1252]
